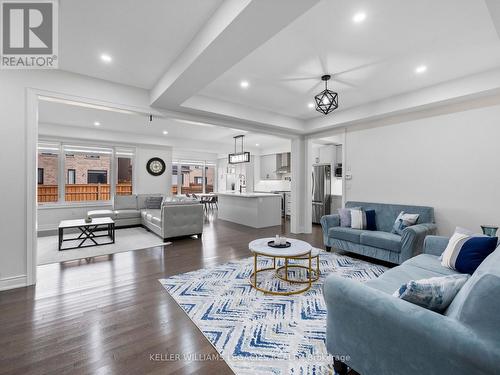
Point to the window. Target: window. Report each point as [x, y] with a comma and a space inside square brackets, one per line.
[78, 173]
[124, 166]
[175, 181]
[192, 179]
[97, 177]
[71, 177]
[47, 173]
[40, 176]
[92, 167]
[209, 178]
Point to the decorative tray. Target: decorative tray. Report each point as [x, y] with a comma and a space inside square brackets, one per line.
[271, 244]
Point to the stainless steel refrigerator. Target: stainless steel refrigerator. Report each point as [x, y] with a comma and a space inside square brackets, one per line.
[321, 191]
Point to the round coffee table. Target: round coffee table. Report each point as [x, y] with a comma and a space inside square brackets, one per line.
[298, 250]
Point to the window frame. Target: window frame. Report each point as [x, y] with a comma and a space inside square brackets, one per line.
[112, 177]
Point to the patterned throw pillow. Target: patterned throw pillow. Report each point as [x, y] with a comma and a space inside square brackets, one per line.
[465, 252]
[402, 221]
[153, 203]
[434, 294]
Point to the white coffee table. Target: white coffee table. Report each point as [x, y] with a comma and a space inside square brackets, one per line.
[87, 236]
[298, 250]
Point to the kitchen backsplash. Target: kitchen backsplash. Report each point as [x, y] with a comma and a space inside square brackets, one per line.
[273, 185]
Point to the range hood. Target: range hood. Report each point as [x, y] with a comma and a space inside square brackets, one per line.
[283, 163]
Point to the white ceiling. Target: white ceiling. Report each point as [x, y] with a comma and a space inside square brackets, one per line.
[372, 60]
[190, 56]
[214, 138]
[143, 37]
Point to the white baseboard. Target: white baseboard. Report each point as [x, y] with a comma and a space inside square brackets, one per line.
[13, 282]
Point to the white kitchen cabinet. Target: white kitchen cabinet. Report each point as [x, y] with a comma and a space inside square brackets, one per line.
[268, 167]
[327, 154]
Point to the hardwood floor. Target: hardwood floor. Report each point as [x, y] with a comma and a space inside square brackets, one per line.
[110, 314]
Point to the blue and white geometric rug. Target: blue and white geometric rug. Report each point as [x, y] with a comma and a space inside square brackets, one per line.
[257, 333]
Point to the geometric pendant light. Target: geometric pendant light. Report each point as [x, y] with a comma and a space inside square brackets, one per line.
[326, 100]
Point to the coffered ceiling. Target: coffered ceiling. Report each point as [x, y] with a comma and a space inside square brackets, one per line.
[386, 56]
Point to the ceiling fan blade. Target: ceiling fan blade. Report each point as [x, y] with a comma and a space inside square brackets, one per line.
[314, 88]
[359, 67]
[335, 79]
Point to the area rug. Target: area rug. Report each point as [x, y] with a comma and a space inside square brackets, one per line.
[257, 333]
[125, 240]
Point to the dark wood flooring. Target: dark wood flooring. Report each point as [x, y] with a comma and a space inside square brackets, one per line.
[108, 315]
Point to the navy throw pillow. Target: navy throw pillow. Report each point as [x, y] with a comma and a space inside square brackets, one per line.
[370, 220]
[473, 252]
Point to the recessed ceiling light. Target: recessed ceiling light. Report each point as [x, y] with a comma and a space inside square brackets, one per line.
[359, 17]
[165, 132]
[421, 69]
[106, 58]
[257, 145]
[244, 84]
[97, 123]
[310, 105]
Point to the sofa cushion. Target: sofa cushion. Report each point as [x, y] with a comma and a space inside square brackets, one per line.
[346, 234]
[153, 202]
[125, 202]
[382, 240]
[430, 263]
[153, 216]
[391, 280]
[141, 199]
[127, 214]
[101, 213]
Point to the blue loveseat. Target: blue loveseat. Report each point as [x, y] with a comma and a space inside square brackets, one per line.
[380, 244]
[377, 333]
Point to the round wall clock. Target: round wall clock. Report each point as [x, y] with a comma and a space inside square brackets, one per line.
[155, 166]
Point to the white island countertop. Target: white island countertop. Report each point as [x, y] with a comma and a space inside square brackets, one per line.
[248, 195]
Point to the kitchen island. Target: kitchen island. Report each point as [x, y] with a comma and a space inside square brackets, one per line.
[257, 210]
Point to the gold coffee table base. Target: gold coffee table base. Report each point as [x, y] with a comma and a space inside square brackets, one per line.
[309, 281]
[286, 266]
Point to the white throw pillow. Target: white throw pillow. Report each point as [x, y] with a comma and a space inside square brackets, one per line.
[358, 219]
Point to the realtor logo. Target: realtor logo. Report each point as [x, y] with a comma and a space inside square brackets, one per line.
[29, 34]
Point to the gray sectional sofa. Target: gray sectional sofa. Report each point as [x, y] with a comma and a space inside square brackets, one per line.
[176, 218]
[380, 244]
[377, 333]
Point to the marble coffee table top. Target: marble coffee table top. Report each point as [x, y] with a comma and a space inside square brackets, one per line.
[298, 248]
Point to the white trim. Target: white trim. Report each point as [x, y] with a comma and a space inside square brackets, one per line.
[31, 185]
[13, 282]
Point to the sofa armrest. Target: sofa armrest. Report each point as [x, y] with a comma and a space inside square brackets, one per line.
[365, 324]
[435, 245]
[327, 222]
[412, 240]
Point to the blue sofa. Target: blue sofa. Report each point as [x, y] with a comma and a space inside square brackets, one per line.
[377, 333]
[380, 244]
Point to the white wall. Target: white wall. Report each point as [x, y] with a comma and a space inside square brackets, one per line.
[450, 162]
[13, 153]
[146, 183]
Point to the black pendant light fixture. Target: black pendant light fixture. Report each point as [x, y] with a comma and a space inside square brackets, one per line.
[326, 100]
[239, 157]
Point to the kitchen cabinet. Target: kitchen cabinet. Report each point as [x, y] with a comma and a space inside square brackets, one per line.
[327, 154]
[268, 167]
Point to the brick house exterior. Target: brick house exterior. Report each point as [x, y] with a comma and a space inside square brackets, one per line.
[79, 162]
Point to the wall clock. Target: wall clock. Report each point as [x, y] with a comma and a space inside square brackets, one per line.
[155, 166]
